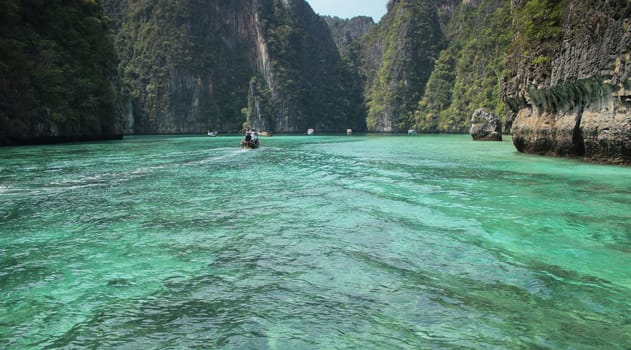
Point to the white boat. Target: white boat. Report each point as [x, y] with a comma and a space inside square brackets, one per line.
[349, 132]
[310, 131]
[213, 133]
[411, 132]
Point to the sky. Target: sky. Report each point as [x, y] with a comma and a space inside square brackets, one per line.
[350, 8]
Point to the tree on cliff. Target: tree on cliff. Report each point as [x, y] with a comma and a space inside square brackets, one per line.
[57, 65]
[468, 74]
[398, 57]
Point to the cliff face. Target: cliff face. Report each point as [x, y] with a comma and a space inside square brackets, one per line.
[467, 75]
[347, 33]
[569, 85]
[185, 65]
[561, 67]
[194, 65]
[397, 59]
[311, 86]
[57, 73]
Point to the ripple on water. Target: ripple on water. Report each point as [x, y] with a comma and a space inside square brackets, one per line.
[322, 242]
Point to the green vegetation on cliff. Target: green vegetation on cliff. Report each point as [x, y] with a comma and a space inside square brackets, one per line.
[433, 114]
[347, 33]
[468, 74]
[313, 86]
[566, 85]
[149, 45]
[186, 66]
[539, 29]
[190, 65]
[538, 33]
[57, 68]
[183, 69]
[398, 58]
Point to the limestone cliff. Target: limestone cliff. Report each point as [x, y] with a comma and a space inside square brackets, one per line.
[57, 73]
[569, 83]
[186, 64]
[192, 65]
[347, 33]
[397, 59]
[467, 75]
[311, 86]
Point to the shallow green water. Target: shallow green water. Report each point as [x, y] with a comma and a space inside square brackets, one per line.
[427, 242]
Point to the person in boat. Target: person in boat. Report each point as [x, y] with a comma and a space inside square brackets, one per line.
[254, 143]
[251, 139]
[245, 143]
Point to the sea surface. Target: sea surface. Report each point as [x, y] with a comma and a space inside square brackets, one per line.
[323, 242]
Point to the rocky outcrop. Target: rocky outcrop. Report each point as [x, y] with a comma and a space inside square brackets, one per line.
[485, 126]
[570, 96]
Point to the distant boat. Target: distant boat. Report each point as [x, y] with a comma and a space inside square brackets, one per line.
[213, 133]
[349, 132]
[265, 133]
[411, 132]
[250, 140]
[310, 131]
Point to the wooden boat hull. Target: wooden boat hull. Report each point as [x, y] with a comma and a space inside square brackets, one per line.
[249, 145]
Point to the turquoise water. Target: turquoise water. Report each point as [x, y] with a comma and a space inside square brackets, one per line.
[325, 242]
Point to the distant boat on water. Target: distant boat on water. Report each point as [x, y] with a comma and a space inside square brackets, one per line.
[310, 131]
[411, 132]
[250, 140]
[213, 133]
[349, 132]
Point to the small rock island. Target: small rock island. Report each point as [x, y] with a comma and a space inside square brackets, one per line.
[485, 126]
